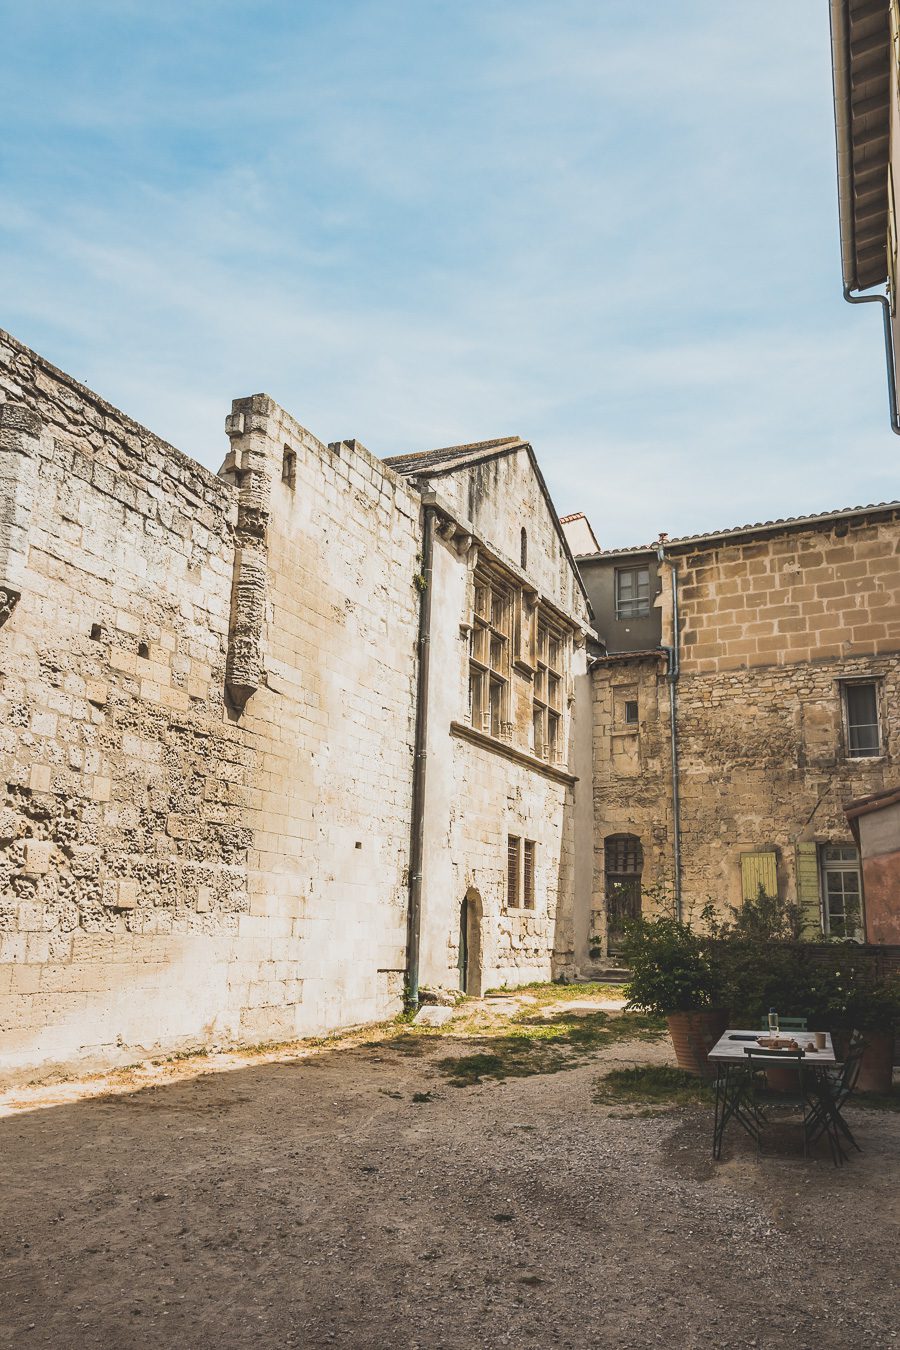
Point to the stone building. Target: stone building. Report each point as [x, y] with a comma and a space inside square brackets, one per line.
[750, 689]
[236, 805]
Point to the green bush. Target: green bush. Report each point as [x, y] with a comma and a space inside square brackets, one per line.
[671, 967]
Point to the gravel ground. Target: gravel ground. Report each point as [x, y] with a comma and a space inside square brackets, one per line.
[309, 1201]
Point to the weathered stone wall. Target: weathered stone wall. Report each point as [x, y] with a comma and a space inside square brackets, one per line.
[814, 594]
[206, 695]
[631, 773]
[122, 863]
[482, 789]
[332, 721]
[770, 628]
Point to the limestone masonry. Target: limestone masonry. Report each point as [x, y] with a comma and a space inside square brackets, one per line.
[279, 744]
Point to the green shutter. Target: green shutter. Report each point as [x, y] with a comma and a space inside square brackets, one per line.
[808, 892]
[758, 870]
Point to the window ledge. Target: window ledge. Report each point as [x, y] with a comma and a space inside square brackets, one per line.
[467, 733]
[523, 668]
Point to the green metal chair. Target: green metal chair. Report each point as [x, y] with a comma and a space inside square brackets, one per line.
[786, 1024]
[804, 1097]
[836, 1085]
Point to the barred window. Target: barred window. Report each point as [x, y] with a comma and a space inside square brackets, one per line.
[513, 848]
[528, 874]
[861, 717]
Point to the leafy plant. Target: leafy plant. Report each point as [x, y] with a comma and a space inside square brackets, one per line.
[671, 967]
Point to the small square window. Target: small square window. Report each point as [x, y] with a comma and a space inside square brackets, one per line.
[861, 718]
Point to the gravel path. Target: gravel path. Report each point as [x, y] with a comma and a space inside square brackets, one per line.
[312, 1202]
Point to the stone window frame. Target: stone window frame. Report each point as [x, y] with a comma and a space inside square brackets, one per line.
[876, 683]
[636, 605]
[490, 654]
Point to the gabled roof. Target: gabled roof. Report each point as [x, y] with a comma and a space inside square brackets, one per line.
[860, 56]
[451, 458]
[784, 524]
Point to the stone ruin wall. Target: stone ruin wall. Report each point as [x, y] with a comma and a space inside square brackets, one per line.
[123, 849]
[152, 893]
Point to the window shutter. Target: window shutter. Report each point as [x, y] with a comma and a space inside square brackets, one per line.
[808, 892]
[758, 870]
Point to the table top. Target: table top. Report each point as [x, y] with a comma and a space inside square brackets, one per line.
[729, 1049]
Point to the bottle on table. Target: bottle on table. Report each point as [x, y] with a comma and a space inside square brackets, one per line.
[773, 1022]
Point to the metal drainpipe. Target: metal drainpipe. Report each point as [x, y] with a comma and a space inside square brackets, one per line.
[417, 822]
[888, 347]
[672, 676]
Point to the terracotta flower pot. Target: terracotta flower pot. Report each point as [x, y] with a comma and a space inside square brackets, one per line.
[693, 1035]
[877, 1066]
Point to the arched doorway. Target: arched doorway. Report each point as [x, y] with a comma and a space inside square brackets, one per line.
[623, 865]
[469, 962]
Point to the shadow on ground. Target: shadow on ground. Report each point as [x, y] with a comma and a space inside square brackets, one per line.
[358, 1198]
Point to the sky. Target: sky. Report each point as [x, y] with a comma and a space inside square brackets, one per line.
[607, 227]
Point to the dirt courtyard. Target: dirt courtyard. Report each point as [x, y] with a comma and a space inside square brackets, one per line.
[366, 1194]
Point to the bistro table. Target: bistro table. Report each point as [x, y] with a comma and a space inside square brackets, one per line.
[732, 1098]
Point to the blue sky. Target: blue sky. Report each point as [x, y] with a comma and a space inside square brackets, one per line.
[606, 226]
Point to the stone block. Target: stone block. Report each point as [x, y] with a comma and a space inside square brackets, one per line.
[125, 894]
[204, 899]
[39, 778]
[37, 857]
[96, 692]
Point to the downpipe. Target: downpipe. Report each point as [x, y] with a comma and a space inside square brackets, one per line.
[417, 820]
[674, 668]
[885, 303]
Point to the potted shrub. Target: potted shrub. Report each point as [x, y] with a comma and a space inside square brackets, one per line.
[673, 977]
[871, 1006]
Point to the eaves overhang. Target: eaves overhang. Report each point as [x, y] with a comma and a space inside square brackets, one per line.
[860, 52]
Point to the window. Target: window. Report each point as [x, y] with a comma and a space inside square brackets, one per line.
[521, 855]
[632, 592]
[546, 715]
[841, 889]
[289, 467]
[513, 848]
[631, 712]
[624, 863]
[489, 656]
[528, 874]
[861, 716]
[523, 548]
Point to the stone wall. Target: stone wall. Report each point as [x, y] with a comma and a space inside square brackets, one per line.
[332, 721]
[770, 629]
[482, 788]
[206, 740]
[123, 868]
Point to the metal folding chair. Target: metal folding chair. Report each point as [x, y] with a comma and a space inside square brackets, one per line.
[835, 1086]
[805, 1098]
